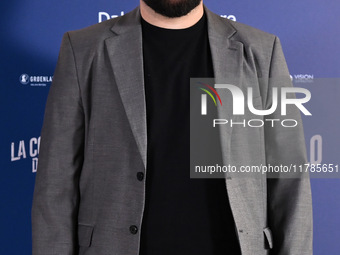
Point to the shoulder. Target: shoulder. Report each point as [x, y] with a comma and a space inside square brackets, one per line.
[94, 35]
[253, 39]
[258, 45]
[96, 31]
[249, 34]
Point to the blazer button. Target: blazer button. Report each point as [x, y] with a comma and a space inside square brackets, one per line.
[140, 176]
[133, 229]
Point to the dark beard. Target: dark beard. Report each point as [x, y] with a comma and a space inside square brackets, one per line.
[172, 8]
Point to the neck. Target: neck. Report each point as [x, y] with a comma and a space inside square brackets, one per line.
[159, 20]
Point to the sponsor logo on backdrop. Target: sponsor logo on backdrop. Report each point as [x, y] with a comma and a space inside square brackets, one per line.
[231, 17]
[102, 16]
[24, 79]
[315, 149]
[106, 16]
[26, 149]
[302, 78]
[35, 80]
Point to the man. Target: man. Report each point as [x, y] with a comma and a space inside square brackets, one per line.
[113, 174]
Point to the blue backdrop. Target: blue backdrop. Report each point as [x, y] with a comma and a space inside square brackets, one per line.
[31, 32]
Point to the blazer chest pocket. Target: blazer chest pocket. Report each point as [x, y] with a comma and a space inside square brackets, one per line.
[85, 233]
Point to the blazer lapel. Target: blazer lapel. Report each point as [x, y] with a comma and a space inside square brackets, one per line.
[227, 57]
[126, 57]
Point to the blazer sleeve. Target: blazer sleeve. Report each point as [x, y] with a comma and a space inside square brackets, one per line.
[289, 195]
[56, 194]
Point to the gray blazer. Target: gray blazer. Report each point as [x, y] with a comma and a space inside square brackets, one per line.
[87, 197]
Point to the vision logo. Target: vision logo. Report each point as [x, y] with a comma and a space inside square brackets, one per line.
[204, 97]
[302, 78]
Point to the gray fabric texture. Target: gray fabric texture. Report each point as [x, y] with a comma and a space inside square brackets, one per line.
[93, 143]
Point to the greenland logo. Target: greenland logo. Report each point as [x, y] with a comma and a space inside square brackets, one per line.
[35, 80]
[24, 79]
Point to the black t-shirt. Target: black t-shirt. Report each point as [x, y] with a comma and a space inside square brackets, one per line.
[182, 215]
